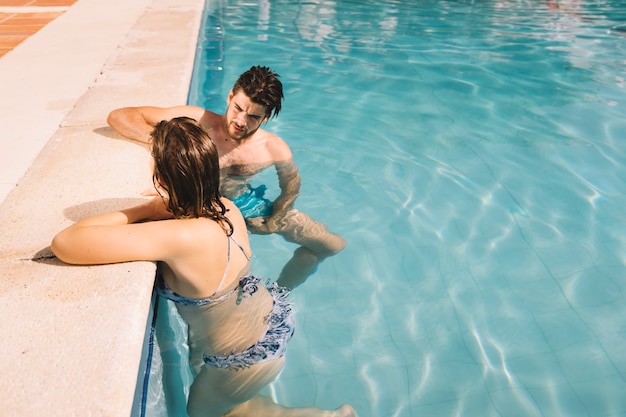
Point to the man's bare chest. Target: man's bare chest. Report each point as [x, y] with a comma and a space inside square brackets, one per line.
[243, 166]
[248, 153]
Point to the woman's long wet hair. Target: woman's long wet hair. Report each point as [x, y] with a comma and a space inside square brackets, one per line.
[186, 166]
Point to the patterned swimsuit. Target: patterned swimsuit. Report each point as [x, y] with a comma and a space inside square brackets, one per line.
[280, 321]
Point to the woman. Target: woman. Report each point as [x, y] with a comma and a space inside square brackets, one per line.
[238, 328]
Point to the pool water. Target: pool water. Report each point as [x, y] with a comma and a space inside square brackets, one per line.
[473, 156]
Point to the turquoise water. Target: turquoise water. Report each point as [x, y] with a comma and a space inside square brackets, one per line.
[473, 156]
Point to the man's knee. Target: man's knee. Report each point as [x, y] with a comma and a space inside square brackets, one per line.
[328, 247]
[337, 245]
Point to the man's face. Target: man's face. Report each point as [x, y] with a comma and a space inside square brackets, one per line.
[243, 117]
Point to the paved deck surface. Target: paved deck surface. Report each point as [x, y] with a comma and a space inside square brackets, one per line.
[72, 336]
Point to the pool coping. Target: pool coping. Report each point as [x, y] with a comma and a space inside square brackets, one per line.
[72, 336]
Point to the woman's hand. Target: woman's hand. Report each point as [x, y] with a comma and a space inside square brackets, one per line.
[156, 209]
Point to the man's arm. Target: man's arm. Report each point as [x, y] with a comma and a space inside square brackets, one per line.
[287, 171]
[289, 182]
[137, 123]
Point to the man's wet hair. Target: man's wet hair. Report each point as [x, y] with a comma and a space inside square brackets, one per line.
[263, 87]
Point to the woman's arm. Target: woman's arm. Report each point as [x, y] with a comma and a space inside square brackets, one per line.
[121, 236]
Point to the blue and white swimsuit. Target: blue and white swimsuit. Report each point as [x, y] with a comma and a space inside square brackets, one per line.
[280, 321]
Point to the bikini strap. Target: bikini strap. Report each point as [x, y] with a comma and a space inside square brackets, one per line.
[219, 286]
[240, 247]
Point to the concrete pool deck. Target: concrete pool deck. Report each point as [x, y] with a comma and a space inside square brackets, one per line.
[72, 336]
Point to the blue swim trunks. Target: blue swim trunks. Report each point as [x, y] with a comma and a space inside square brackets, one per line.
[253, 203]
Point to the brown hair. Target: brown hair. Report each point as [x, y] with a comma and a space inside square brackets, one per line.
[263, 87]
[186, 165]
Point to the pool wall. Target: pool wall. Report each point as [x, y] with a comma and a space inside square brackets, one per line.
[72, 336]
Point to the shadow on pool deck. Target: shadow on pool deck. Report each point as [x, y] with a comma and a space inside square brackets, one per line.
[72, 336]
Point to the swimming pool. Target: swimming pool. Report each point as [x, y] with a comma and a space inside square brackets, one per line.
[472, 155]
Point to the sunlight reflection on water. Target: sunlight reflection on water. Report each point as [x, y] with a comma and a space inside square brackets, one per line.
[472, 155]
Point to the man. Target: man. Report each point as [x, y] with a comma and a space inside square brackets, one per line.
[245, 150]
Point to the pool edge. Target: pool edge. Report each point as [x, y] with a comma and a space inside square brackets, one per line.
[74, 334]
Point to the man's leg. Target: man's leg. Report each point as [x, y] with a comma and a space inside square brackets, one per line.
[302, 264]
[316, 244]
[265, 407]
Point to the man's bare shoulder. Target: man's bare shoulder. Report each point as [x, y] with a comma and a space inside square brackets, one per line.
[275, 145]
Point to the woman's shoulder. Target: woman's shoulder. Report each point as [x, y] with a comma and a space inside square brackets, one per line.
[233, 214]
[191, 232]
[239, 224]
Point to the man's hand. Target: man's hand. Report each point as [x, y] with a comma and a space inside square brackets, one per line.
[262, 225]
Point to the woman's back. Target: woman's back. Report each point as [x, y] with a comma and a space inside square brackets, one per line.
[231, 319]
[206, 286]
[200, 261]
